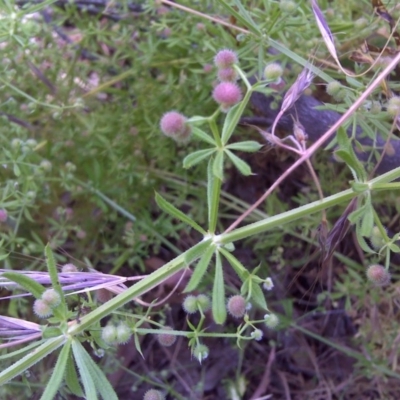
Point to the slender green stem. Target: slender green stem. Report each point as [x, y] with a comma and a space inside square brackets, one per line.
[214, 196]
[288, 216]
[214, 129]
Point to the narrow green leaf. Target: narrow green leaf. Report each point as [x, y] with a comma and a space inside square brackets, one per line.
[31, 359]
[197, 251]
[137, 344]
[170, 209]
[356, 215]
[37, 7]
[210, 192]
[197, 120]
[218, 298]
[196, 157]
[92, 374]
[84, 371]
[51, 267]
[57, 376]
[200, 269]
[367, 222]
[71, 378]
[394, 247]
[359, 187]
[348, 160]
[26, 282]
[346, 153]
[218, 165]
[205, 137]
[21, 351]
[231, 120]
[17, 171]
[361, 241]
[235, 264]
[257, 295]
[241, 165]
[4, 256]
[248, 145]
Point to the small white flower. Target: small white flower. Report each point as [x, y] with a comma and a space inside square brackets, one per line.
[268, 284]
[257, 334]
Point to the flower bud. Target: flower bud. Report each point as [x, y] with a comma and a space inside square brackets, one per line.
[123, 333]
[273, 72]
[227, 94]
[31, 143]
[333, 88]
[271, 320]
[190, 304]
[376, 107]
[204, 302]
[393, 106]
[174, 125]
[376, 238]
[42, 309]
[257, 334]
[268, 284]
[3, 215]
[236, 306]
[69, 268]
[16, 144]
[153, 394]
[378, 275]
[225, 59]
[51, 297]
[201, 352]
[109, 334]
[45, 165]
[166, 339]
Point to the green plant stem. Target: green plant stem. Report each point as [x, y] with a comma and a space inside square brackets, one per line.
[214, 128]
[292, 215]
[214, 206]
[189, 256]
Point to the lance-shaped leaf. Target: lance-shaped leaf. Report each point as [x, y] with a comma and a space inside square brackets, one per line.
[232, 119]
[197, 251]
[247, 145]
[235, 263]
[346, 153]
[58, 373]
[200, 269]
[205, 137]
[257, 296]
[218, 165]
[71, 378]
[172, 210]
[367, 222]
[218, 298]
[197, 157]
[361, 241]
[93, 378]
[241, 165]
[26, 282]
